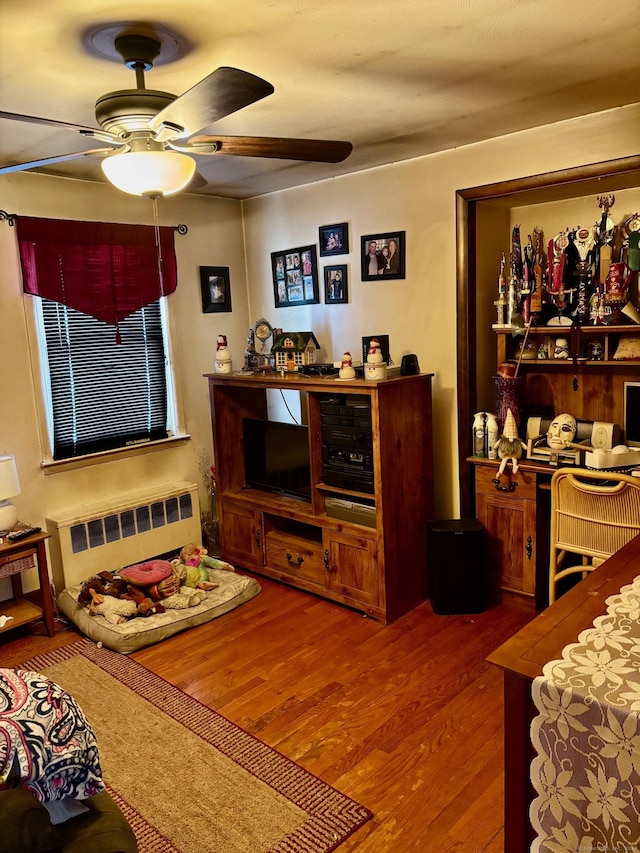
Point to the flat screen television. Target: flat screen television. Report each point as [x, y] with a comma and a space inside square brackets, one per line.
[276, 457]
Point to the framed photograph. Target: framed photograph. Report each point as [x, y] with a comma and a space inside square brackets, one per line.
[295, 276]
[334, 239]
[216, 290]
[383, 255]
[336, 285]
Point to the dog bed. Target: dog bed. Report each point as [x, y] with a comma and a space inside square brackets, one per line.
[233, 590]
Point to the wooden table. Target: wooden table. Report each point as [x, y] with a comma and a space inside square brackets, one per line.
[16, 557]
[522, 658]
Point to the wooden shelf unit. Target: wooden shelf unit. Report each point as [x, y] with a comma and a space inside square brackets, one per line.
[517, 520]
[16, 557]
[379, 569]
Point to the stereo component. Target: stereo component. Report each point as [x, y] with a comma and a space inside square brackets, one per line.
[347, 442]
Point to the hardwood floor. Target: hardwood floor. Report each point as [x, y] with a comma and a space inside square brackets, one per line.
[404, 718]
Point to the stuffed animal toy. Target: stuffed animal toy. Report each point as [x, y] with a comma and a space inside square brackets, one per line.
[196, 563]
[115, 610]
[152, 587]
[145, 606]
[102, 588]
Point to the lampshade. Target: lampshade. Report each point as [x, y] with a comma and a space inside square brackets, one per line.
[9, 486]
[149, 173]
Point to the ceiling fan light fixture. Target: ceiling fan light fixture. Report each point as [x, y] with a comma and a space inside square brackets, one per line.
[149, 173]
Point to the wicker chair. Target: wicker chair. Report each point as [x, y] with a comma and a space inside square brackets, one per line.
[593, 514]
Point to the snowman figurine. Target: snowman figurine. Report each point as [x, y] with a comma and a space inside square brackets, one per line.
[374, 355]
[223, 355]
[347, 370]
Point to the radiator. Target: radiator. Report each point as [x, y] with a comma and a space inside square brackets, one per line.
[127, 529]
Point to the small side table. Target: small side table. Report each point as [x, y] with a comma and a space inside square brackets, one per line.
[15, 558]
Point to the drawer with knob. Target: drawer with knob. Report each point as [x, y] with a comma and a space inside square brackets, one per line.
[295, 556]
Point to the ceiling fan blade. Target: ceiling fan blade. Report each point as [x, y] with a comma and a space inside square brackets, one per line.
[315, 150]
[51, 122]
[223, 92]
[47, 161]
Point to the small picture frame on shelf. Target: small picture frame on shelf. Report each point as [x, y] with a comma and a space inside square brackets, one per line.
[334, 239]
[336, 286]
[216, 290]
[383, 256]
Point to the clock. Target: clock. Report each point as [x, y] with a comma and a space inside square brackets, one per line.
[263, 338]
[263, 332]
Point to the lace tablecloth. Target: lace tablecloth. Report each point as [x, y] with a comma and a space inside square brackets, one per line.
[587, 737]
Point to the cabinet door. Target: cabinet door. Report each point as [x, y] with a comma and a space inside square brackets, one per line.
[241, 536]
[510, 523]
[352, 567]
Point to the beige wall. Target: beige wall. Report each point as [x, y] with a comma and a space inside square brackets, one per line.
[214, 237]
[418, 196]
[418, 313]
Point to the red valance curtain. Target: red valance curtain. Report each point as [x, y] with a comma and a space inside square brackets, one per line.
[103, 269]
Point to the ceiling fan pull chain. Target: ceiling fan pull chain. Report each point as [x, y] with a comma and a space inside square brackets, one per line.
[156, 230]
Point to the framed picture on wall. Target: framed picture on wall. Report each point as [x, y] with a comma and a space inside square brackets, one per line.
[216, 290]
[383, 255]
[335, 284]
[295, 276]
[334, 239]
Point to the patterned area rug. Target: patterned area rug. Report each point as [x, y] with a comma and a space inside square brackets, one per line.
[187, 779]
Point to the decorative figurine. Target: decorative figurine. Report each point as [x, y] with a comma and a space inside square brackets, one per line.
[347, 370]
[501, 301]
[374, 354]
[561, 349]
[492, 435]
[223, 355]
[249, 353]
[375, 368]
[562, 431]
[509, 445]
[616, 287]
[595, 351]
[479, 434]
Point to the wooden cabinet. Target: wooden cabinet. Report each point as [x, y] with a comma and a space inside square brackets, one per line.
[352, 568]
[243, 534]
[15, 558]
[378, 565]
[589, 388]
[507, 510]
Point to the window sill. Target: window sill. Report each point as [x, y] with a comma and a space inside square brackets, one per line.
[55, 466]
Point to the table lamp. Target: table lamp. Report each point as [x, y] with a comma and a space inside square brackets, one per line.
[9, 486]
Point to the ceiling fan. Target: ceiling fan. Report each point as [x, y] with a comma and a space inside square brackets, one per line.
[151, 134]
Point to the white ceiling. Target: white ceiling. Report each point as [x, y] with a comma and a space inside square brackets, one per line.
[398, 79]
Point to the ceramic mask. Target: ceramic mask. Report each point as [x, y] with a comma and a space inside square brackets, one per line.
[562, 431]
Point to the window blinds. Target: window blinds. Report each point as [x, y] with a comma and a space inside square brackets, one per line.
[105, 394]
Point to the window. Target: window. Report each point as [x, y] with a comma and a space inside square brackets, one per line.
[103, 394]
[99, 293]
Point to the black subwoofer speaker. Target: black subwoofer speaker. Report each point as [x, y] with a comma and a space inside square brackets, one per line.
[456, 566]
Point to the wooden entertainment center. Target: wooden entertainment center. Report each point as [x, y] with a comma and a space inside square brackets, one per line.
[377, 565]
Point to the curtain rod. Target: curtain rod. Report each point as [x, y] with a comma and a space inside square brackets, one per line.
[11, 220]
